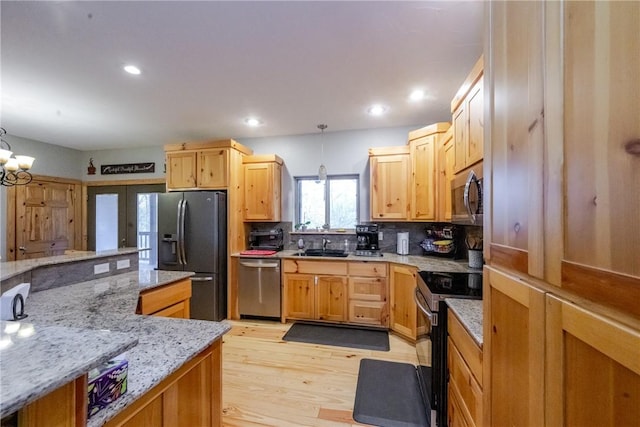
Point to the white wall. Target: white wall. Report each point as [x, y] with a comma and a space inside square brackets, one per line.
[344, 153]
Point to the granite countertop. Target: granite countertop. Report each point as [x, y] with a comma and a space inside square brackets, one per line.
[9, 269]
[469, 311]
[423, 263]
[107, 306]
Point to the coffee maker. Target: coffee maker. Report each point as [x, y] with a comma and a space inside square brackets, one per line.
[367, 237]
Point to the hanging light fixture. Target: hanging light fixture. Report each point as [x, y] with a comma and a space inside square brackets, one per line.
[13, 170]
[322, 170]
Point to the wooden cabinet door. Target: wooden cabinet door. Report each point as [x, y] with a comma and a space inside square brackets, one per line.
[445, 158]
[459, 138]
[389, 187]
[300, 296]
[474, 148]
[517, 137]
[261, 192]
[368, 312]
[403, 306]
[181, 170]
[601, 122]
[423, 187]
[368, 288]
[513, 351]
[47, 219]
[331, 298]
[593, 368]
[213, 168]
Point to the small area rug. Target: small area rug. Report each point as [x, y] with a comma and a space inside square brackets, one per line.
[340, 336]
[388, 395]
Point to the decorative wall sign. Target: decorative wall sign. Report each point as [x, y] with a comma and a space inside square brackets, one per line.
[149, 167]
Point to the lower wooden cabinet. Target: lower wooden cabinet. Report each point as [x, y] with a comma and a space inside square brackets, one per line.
[311, 293]
[464, 363]
[191, 396]
[336, 291]
[404, 311]
[64, 407]
[593, 367]
[172, 300]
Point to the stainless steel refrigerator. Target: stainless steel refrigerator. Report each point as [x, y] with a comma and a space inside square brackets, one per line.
[192, 236]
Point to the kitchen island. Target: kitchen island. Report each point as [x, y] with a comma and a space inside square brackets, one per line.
[159, 350]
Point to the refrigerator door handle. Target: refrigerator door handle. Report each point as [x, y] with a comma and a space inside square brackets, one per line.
[179, 235]
[183, 210]
[202, 279]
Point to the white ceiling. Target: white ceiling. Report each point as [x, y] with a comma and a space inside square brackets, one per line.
[208, 65]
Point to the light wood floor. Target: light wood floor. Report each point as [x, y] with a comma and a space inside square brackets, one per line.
[270, 382]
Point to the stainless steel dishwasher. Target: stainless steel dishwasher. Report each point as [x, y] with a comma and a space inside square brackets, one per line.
[259, 287]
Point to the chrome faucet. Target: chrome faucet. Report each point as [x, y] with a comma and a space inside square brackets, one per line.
[324, 243]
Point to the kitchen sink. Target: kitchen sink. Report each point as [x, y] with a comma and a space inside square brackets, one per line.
[325, 253]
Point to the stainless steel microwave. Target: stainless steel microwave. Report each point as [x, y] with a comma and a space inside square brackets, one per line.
[466, 197]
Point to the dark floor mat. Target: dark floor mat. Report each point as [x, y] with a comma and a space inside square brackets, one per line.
[388, 395]
[340, 336]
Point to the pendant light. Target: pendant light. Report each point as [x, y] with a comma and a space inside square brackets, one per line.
[322, 170]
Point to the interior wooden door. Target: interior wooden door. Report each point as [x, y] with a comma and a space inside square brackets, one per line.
[593, 368]
[47, 219]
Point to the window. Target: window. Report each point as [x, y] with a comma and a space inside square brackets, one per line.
[332, 203]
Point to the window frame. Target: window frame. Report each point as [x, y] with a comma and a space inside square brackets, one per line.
[327, 194]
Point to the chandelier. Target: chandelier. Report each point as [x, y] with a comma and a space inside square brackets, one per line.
[13, 170]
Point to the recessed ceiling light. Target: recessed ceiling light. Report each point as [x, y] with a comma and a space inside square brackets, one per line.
[417, 95]
[252, 121]
[377, 110]
[132, 69]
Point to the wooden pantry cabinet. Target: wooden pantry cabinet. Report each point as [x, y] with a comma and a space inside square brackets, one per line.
[389, 169]
[467, 109]
[262, 188]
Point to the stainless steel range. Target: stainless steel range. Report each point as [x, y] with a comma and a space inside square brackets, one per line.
[431, 344]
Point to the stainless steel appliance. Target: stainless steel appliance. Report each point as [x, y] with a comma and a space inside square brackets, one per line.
[192, 236]
[259, 287]
[466, 197]
[431, 344]
[367, 240]
[272, 239]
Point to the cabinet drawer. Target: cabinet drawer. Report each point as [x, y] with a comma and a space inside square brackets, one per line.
[373, 269]
[368, 288]
[462, 382]
[456, 415]
[315, 267]
[163, 297]
[469, 350]
[368, 312]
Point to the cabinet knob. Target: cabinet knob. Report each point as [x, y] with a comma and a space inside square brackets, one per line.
[516, 227]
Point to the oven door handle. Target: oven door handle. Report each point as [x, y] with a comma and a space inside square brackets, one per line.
[433, 317]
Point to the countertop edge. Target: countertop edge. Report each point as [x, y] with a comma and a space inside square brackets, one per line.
[469, 311]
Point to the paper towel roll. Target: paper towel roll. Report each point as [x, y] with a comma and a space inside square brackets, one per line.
[7, 302]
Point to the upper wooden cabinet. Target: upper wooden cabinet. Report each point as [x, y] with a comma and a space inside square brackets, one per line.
[200, 165]
[423, 146]
[262, 188]
[444, 169]
[468, 120]
[389, 167]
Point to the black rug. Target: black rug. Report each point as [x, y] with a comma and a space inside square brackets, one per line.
[340, 336]
[388, 395]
